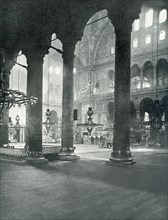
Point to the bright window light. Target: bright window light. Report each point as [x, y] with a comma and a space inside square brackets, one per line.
[135, 42]
[136, 25]
[57, 70]
[162, 35]
[112, 50]
[50, 69]
[149, 18]
[74, 70]
[162, 16]
[148, 39]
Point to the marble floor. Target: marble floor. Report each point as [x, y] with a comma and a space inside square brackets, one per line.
[87, 188]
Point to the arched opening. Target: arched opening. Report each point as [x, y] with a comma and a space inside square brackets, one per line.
[162, 35]
[149, 18]
[136, 25]
[164, 104]
[53, 82]
[146, 106]
[162, 16]
[148, 39]
[135, 77]
[162, 72]
[148, 75]
[135, 43]
[17, 115]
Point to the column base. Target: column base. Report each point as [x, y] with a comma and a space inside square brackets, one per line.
[67, 154]
[36, 158]
[120, 162]
[119, 158]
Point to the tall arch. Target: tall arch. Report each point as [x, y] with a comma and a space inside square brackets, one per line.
[164, 103]
[135, 77]
[146, 105]
[147, 75]
[99, 36]
[149, 17]
[162, 72]
[102, 49]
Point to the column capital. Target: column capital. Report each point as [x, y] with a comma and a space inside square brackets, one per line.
[35, 53]
[7, 61]
[68, 49]
[123, 15]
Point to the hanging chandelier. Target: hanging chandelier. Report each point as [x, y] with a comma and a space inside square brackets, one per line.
[9, 97]
[47, 123]
[89, 125]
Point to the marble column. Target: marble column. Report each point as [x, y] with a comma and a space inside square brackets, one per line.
[4, 134]
[141, 78]
[67, 148]
[155, 81]
[34, 112]
[121, 142]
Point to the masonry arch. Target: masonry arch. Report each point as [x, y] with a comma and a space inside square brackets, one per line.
[147, 75]
[162, 72]
[146, 106]
[135, 77]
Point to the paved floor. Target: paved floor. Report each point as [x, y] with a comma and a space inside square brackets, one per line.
[87, 188]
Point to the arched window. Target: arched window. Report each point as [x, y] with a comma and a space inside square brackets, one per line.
[112, 50]
[162, 16]
[148, 75]
[148, 39]
[162, 35]
[149, 18]
[135, 42]
[136, 25]
[53, 37]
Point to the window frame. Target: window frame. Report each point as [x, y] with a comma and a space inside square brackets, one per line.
[162, 20]
[148, 17]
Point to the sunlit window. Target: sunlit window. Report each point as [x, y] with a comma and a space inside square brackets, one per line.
[149, 18]
[162, 16]
[74, 70]
[162, 35]
[148, 39]
[136, 25]
[112, 50]
[135, 42]
[146, 118]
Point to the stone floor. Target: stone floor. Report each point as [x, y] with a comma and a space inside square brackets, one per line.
[87, 188]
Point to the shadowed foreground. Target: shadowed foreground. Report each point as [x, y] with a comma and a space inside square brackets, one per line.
[86, 189]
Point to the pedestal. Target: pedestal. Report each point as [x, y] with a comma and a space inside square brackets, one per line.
[67, 155]
[36, 158]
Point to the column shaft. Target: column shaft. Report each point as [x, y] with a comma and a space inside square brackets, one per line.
[4, 134]
[34, 112]
[154, 78]
[121, 140]
[4, 137]
[67, 101]
[141, 78]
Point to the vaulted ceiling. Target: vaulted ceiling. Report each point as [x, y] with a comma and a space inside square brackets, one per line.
[25, 23]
